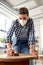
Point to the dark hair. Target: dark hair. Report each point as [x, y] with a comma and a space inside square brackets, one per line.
[23, 10]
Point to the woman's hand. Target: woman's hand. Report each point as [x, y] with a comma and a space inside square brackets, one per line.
[9, 52]
[32, 50]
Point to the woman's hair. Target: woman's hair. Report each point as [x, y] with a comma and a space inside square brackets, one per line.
[23, 10]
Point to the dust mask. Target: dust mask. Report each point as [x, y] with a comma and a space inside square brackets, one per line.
[22, 22]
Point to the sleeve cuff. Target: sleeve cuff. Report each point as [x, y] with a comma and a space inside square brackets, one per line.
[31, 43]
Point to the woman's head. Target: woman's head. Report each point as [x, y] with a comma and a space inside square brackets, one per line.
[23, 15]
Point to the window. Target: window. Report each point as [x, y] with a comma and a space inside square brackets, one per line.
[6, 17]
[2, 25]
[5, 23]
[41, 33]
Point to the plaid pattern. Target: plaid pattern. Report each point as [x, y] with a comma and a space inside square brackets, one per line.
[22, 33]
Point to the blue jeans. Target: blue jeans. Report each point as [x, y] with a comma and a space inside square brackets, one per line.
[22, 47]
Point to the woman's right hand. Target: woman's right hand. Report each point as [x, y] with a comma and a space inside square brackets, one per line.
[9, 52]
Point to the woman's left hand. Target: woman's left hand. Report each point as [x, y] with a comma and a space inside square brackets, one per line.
[34, 52]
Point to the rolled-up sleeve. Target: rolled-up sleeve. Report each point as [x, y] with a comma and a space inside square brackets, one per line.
[31, 38]
[10, 33]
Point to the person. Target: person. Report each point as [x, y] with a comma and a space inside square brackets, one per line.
[23, 28]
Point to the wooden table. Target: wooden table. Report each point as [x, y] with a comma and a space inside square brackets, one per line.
[22, 59]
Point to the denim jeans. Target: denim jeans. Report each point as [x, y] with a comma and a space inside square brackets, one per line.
[22, 47]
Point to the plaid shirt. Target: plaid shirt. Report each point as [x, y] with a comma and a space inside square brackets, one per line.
[25, 32]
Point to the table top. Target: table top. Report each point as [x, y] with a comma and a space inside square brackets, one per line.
[5, 58]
